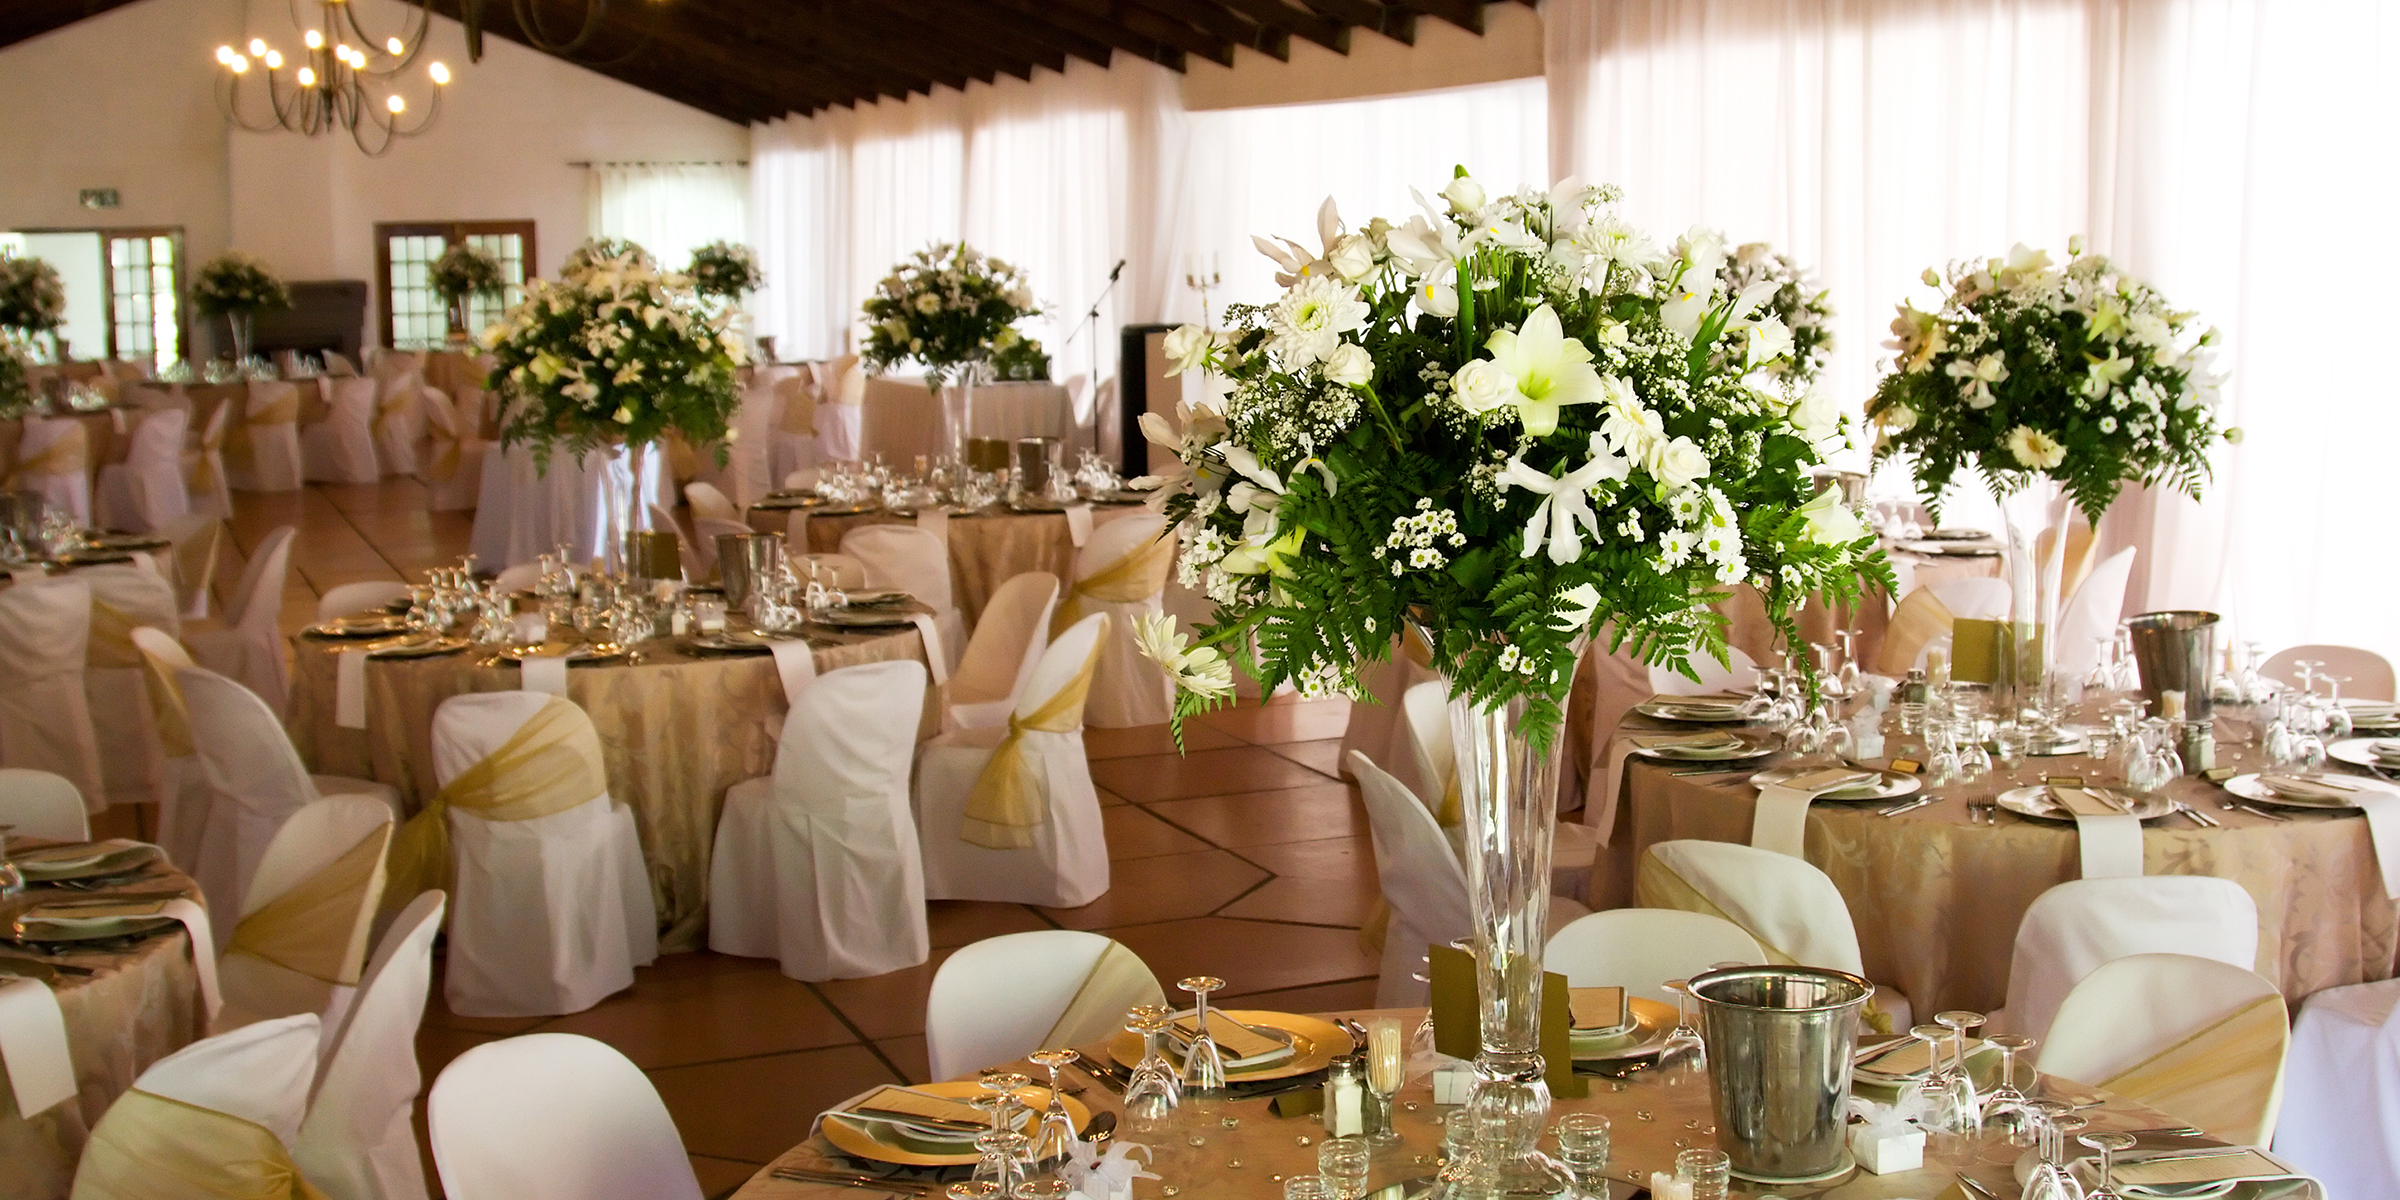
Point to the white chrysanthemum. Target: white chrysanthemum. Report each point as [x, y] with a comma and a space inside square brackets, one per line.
[1310, 320]
[2034, 449]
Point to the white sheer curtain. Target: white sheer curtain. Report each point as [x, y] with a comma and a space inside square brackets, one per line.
[2208, 144]
[670, 209]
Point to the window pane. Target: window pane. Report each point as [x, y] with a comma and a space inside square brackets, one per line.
[418, 319]
[141, 274]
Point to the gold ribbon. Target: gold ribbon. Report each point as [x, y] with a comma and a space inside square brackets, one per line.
[320, 927]
[268, 404]
[551, 765]
[1135, 577]
[441, 425]
[196, 563]
[153, 1147]
[111, 643]
[391, 405]
[201, 480]
[2216, 1079]
[1917, 619]
[1117, 982]
[1656, 885]
[683, 462]
[1007, 805]
[166, 706]
[69, 455]
[799, 407]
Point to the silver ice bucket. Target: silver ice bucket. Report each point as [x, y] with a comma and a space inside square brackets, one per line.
[1779, 1046]
[1037, 460]
[743, 561]
[2174, 651]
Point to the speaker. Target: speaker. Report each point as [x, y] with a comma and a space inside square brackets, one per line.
[1143, 386]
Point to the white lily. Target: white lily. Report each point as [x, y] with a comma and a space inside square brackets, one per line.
[1437, 296]
[1551, 369]
[1770, 339]
[1566, 507]
[1294, 258]
[1830, 521]
[1979, 376]
[2105, 374]
[1185, 448]
[1200, 670]
[1428, 247]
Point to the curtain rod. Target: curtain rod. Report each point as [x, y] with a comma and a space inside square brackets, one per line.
[721, 162]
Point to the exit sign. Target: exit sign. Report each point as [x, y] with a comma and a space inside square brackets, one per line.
[97, 197]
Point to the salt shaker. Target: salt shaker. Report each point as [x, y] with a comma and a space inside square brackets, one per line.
[1345, 1098]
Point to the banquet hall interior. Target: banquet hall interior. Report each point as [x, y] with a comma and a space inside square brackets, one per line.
[1204, 598]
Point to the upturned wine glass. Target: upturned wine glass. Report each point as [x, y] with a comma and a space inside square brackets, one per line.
[1057, 1132]
[2108, 1144]
[1155, 1089]
[2006, 1111]
[1684, 1056]
[1203, 1063]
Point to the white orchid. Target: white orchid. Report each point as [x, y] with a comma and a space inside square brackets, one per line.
[2103, 375]
[1436, 296]
[1200, 670]
[1551, 370]
[1186, 447]
[1310, 319]
[1770, 339]
[1566, 508]
[1189, 346]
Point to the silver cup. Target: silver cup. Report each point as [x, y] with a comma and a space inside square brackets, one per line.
[1779, 1042]
[1037, 460]
[2174, 650]
[745, 559]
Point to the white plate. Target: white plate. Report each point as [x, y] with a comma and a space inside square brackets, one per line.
[2359, 752]
[1710, 714]
[1746, 747]
[1886, 785]
[2084, 1169]
[2035, 802]
[1951, 549]
[2250, 787]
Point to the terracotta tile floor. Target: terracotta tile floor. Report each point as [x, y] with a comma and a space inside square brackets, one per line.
[1245, 858]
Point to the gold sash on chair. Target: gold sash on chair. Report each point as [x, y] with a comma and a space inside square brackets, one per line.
[1135, 577]
[799, 414]
[1117, 982]
[69, 455]
[320, 927]
[2218, 1079]
[1008, 804]
[202, 480]
[152, 1147]
[111, 643]
[1656, 885]
[683, 462]
[284, 409]
[392, 405]
[166, 707]
[1919, 618]
[551, 765]
[441, 425]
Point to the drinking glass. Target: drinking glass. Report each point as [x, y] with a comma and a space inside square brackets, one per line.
[2337, 718]
[1043, 1189]
[1684, 1057]
[1964, 1105]
[2107, 1144]
[1583, 1148]
[2050, 1179]
[1306, 1187]
[1342, 1164]
[2006, 1111]
[1155, 1088]
[2008, 744]
[1933, 1087]
[1003, 1157]
[12, 880]
[1057, 1132]
[1387, 1069]
[1204, 1063]
[973, 1189]
[1846, 679]
[1710, 1172]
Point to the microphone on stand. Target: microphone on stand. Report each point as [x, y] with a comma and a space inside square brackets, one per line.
[1116, 270]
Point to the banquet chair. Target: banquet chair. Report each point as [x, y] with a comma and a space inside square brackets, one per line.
[550, 904]
[1791, 908]
[1916, 622]
[341, 448]
[2090, 617]
[2341, 1093]
[2369, 673]
[2199, 1040]
[302, 935]
[356, 1142]
[45, 717]
[916, 562]
[54, 460]
[212, 1120]
[1422, 882]
[1023, 792]
[706, 501]
[350, 599]
[1574, 846]
[1123, 571]
[250, 648]
[817, 864]
[841, 408]
[1378, 726]
[205, 486]
[146, 491]
[1001, 998]
[41, 804]
[841, 571]
[183, 803]
[805, 477]
[124, 598]
[1639, 949]
[398, 424]
[262, 450]
[452, 463]
[145, 396]
[254, 782]
[795, 442]
[339, 365]
[1008, 643]
[553, 1116]
[2075, 927]
[194, 540]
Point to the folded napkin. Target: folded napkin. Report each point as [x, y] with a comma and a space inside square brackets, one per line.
[935, 661]
[2187, 1167]
[797, 664]
[1079, 524]
[350, 689]
[532, 627]
[544, 670]
[1780, 823]
[935, 520]
[1699, 706]
[33, 1045]
[2111, 838]
[1597, 1010]
[1240, 1042]
[905, 1102]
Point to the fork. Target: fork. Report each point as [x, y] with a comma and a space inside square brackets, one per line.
[2198, 817]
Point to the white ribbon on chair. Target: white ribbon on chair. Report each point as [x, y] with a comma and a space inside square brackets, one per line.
[33, 1045]
[797, 664]
[204, 951]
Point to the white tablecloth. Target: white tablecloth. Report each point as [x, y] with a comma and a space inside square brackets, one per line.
[904, 420]
[523, 512]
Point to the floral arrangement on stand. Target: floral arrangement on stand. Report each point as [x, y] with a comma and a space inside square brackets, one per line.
[725, 271]
[16, 395]
[1017, 359]
[1798, 302]
[947, 307]
[239, 287]
[1517, 420]
[32, 299]
[464, 270]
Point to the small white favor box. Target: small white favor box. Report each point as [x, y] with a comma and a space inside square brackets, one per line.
[1882, 1152]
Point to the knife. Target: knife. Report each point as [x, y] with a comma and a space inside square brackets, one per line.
[1099, 1072]
[1911, 806]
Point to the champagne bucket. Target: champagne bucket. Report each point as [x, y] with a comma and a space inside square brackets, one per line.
[1779, 1042]
[1037, 459]
[744, 562]
[2174, 650]
[988, 455]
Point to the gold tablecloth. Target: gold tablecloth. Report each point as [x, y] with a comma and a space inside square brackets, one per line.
[987, 548]
[675, 731]
[1937, 900]
[103, 443]
[139, 1005]
[1648, 1124]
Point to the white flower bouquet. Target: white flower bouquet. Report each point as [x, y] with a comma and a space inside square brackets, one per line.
[725, 270]
[948, 306]
[236, 283]
[465, 270]
[1798, 305]
[614, 352]
[32, 300]
[2081, 373]
[1515, 420]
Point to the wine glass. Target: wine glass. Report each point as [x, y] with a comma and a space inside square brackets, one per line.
[1155, 1087]
[2006, 1111]
[2337, 718]
[1387, 1069]
[1963, 1102]
[1203, 1063]
[1846, 678]
[1933, 1087]
[1002, 1147]
[2107, 1143]
[12, 880]
[2050, 1179]
[1057, 1132]
[1684, 1057]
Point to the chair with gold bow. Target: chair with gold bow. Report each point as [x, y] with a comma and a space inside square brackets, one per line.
[2089, 617]
[302, 937]
[399, 422]
[553, 1116]
[146, 491]
[2073, 928]
[356, 1142]
[550, 900]
[205, 487]
[2342, 1090]
[255, 782]
[2199, 1040]
[1123, 571]
[250, 647]
[45, 717]
[262, 449]
[125, 598]
[1378, 726]
[916, 562]
[841, 408]
[341, 448]
[796, 445]
[194, 541]
[350, 599]
[41, 804]
[1000, 658]
[213, 1120]
[817, 865]
[1573, 846]
[999, 999]
[452, 466]
[54, 459]
[1008, 813]
[1639, 949]
[706, 501]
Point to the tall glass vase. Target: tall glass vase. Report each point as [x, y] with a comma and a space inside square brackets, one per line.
[962, 412]
[239, 324]
[2028, 688]
[624, 470]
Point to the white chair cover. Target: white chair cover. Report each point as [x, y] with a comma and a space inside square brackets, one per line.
[841, 408]
[1639, 949]
[2075, 927]
[197, 539]
[707, 501]
[796, 440]
[250, 648]
[1128, 688]
[1007, 645]
[1379, 728]
[204, 481]
[184, 803]
[69, 487]
[45, 719]
[316, 837]
[1737, 672]
[1421, 880]
[847, 573]
[748, 470]
[115, 685]
[341, 448]
[1003, 997]
[356, 1142]
[398, 422]
[549, 915]
[553, 1116]
[2128, 1014]
[2369, 673]
[452, 465]
[350, 599]
[916, 562]
[2091, 615]
[41, 804]
[706, 531]
[146, 491]
[259, 1073]
[2342, 1091]
[1067, 865]
[817, 865]
[274, 449]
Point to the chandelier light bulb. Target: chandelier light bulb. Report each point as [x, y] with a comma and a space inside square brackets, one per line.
[393, 45]
[274, 60]
[395, 103]
[225, 55]
[308, 78]
[440, 74]
[239, 64]
[316, 41]
[258, 46]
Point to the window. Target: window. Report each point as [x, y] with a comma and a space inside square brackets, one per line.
[413, 314]
[144, 319]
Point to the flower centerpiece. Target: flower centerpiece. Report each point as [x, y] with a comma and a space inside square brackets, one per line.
[1797, 302]
[949, 307]
[2054, 384]
[239, 287]
[32, 300]
[725, 271]
[1021, 359]
[1517, 422]
[464, 270]
[15, 394]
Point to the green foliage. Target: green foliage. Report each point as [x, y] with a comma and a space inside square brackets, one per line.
[947, 306]
[464, 269]
[234, 282]
[32, 300]
[724, 270]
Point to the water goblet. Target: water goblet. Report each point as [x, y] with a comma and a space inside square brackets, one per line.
[1963, 1101]
[1846, 678]
[2006, 1111]
[973, 1189]
[1306, 1187]
[1203, 1063]
[2107, 1144]
[2337, 719]
[12, 879]
[1003, 1158]
[1342, 1163]
[1043, 1189]
[1155, 1088]
[1057, 1131]
[2050, 1179]
[1933, 1087]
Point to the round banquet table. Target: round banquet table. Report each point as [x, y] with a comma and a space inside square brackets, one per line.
[1937, 900]
[1250, 1150]
[988, 547]
[675, 729]
[137, 1005]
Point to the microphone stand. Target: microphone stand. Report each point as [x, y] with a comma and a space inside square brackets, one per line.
[1091, 322]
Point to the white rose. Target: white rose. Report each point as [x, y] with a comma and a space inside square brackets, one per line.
[1483, 387]
[1464, 194]
[1349, 365]
[1679, 463]
[1817, 415]
[1830, 521]
[1353, 259]
[1188, 346]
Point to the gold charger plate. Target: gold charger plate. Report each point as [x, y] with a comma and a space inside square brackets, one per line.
[2035, 802]
[1652, 1022]
[419, 646]
[856, 1141]
[1745, 746]
[1314, 1044]
[1690, 714]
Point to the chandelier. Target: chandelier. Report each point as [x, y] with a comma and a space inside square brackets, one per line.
[344, 79]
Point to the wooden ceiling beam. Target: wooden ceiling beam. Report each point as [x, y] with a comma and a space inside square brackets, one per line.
[1097, 28]
[1214, 21]
[971, 18]
[1466, 14]
[1398, 24]
[695, 86]
[29, 19]
[1143, 22]
[987, 58]
[782, 79]
[841, 80]
[1331, 34]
